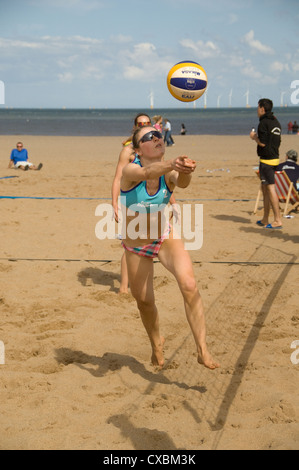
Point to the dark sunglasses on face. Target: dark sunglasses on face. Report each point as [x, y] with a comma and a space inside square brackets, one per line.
[142, 124]
[149, 136]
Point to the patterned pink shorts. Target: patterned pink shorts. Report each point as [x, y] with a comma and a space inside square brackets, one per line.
[151, 250]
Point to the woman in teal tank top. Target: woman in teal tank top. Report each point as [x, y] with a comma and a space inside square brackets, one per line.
[146, 184]
[138, 195]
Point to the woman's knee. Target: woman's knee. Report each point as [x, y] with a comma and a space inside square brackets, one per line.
[145, 304]
[188, 285]
[144, 300]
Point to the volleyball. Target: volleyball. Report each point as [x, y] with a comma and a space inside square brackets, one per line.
[187, 81]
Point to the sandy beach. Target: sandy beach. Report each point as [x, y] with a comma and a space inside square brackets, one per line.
[77, 371]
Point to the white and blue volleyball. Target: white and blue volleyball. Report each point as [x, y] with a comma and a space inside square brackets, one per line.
[187, 81]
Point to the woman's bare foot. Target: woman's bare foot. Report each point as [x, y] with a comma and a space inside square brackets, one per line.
[206, 360]
[157, 355]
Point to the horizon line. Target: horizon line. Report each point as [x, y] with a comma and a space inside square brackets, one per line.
[93, 108]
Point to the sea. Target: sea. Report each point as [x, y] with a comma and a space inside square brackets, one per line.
[119, 122]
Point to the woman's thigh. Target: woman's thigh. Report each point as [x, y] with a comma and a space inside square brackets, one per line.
[176, 259]
[141, 275]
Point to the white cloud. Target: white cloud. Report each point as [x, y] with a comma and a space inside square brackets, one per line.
[236, 60]
[66, 59]
[143, 63]
[93, 72]
[121, 39]
[202, 49]
[65, 77]
[132, 72]
[55, 58]
[255, 45]
[86, 40]
[50, 42]
[279, 67]
[143, 50]
[249, 71]
[67, 62]
[18, 44]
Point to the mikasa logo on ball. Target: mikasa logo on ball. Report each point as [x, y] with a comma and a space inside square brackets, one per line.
[190, 83]
[192, 72]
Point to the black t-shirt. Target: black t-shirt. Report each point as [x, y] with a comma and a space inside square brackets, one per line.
[292, 170]
[269, 133]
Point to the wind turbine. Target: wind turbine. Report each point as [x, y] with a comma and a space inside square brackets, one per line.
[205, 97]
[247, 99]
[151, 97]
[230, 98]
[218, 101]
[281, 98]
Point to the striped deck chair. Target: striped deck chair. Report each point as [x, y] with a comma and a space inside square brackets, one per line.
[285, 190]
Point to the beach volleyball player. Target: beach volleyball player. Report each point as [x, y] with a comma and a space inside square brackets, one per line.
[146, 183]
[126, 156]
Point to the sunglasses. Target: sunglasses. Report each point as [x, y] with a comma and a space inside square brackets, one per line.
[142, 124]
[149, 136]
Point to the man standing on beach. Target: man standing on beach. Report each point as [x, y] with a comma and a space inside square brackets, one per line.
[168, 137]
[268, 138]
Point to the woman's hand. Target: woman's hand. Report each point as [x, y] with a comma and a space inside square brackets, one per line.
[183, 164]
[115, 212]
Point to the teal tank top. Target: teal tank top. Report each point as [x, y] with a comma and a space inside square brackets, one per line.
[138, 198]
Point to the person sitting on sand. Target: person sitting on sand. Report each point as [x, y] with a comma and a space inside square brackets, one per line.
[147, 184]
[19, 159]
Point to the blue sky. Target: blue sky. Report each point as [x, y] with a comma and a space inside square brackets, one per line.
[113, 53]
